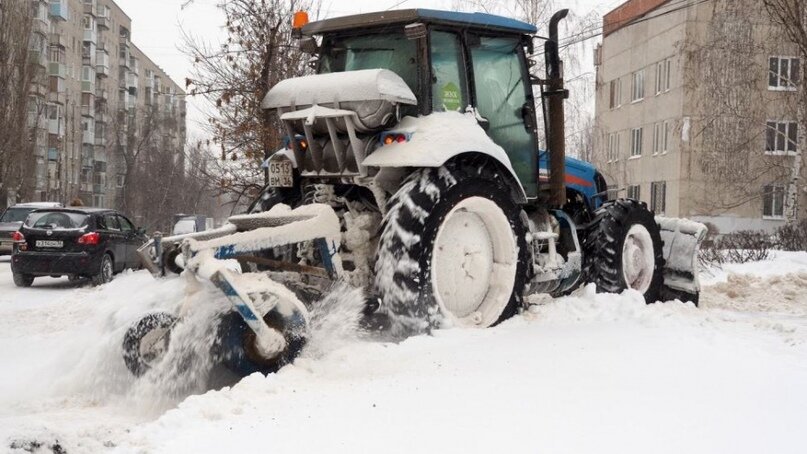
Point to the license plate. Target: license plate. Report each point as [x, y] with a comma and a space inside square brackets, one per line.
[280, 173]
[49, 243]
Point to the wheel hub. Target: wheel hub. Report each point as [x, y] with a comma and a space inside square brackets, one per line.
[474, 256]
[638, 259]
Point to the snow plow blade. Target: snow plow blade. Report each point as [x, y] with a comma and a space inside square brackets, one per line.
[682, 239]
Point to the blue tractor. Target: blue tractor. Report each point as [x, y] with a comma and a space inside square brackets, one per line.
[412, 170]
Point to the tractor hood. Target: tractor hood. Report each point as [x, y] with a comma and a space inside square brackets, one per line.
[372, 93]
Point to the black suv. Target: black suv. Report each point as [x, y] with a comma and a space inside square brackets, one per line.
[78, 242]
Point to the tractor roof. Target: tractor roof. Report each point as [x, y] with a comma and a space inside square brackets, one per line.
[480, 21]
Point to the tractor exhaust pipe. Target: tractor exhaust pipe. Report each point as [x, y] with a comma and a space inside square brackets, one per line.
[555, 94]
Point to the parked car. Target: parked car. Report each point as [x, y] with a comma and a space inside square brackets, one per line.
[11, 220]
[78, 242]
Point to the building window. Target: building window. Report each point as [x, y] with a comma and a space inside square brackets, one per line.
[635, 192]
[637, 87]
[784, 73]
[120, 180]
[781, 137]
[773, 202]
[658, 197]
[613, 147]
[661, 137]
[636, 142]
[616, 93]
[663, 76]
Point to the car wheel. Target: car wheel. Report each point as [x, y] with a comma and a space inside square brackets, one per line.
[104, 275]
[23, 280]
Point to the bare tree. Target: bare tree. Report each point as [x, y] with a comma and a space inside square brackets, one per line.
[727, 72]
[259, 51]
[791, 16]
[16, 76]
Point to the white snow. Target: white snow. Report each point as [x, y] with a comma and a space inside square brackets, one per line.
[363, 85]
[586, 373]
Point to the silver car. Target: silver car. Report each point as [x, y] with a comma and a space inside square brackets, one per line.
[12, 219]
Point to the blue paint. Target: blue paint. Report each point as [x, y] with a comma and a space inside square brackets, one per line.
[327, 257]
[581, 176]
[478, 20]
[246, 312]
[225, 252]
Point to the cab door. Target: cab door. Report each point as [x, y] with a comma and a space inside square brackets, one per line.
[503, 97]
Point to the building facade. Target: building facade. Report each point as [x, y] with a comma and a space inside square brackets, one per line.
[96, 96]
[697, 111]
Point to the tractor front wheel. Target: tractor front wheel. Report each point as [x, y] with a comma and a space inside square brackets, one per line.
[624, 250]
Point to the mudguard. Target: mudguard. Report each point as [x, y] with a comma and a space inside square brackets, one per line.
[435, 139]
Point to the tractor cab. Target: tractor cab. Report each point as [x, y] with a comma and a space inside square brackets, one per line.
[470, 63]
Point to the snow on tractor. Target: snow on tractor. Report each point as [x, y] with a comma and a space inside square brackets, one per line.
[413, 171]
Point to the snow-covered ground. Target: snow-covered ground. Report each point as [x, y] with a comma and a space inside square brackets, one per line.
[587, 373]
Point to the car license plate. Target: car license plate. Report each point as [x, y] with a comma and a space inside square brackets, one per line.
[280, 173]
[49, 243]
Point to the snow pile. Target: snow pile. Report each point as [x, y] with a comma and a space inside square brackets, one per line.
[587, 373]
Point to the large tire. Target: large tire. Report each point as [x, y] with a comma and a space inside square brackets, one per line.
[147, 341]
[623, 250]
[466, 208]
[23, 280]
[105, 272]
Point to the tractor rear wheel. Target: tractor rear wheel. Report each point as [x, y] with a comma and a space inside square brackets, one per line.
[624, 250]
[452, 250]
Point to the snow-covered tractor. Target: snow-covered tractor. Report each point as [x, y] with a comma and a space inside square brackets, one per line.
[413, 171]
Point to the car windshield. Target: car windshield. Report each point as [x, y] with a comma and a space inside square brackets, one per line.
[56, 220]
[391, 51]
[16, 214]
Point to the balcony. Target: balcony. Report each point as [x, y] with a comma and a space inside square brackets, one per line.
[88, 110]
[57, 69]
[57, 97]
[57, 39]
[90, 36]
[103, 23]
[98, 188]
[53, 154]
[102, 63]
[59, 10]
[88, 138]
[38, 58]
[101, 95]
[55, 127]
[41, 27]
[90, 7]
[88, 86]
[100, 159]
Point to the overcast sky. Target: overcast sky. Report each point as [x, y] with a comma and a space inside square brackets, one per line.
[156, 29]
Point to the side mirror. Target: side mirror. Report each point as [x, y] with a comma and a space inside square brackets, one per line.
[309, 45]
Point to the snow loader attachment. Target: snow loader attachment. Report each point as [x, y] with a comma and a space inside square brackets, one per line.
[276, 317]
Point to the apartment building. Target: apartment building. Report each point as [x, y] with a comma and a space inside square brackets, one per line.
[93, 99]
[697, 110]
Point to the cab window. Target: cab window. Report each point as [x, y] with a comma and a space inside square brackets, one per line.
[449, 91]
[389, 50]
